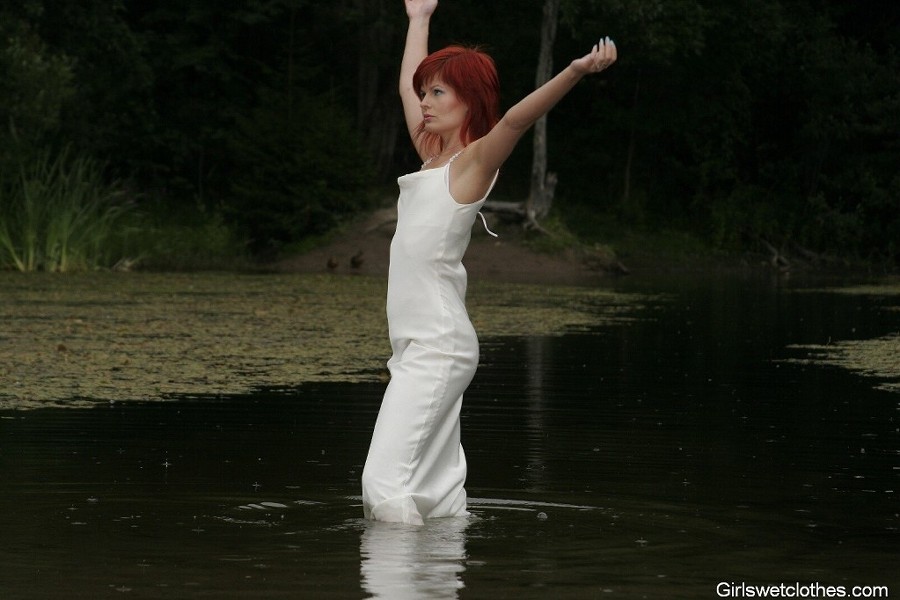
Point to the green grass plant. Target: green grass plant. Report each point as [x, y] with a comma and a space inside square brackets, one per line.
[57, 213]
[161, 237]
[655, 242]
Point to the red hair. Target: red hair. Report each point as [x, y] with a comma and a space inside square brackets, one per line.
[473, 76]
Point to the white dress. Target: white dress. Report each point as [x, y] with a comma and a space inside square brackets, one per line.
[416, 467]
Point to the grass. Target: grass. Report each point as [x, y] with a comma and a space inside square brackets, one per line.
[630, 243]
[59, 214]
[165, 239]
[604, 242]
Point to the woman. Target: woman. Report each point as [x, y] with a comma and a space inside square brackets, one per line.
[416, 467]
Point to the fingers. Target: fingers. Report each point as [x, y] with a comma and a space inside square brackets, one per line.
[611, 51]
[603, 54]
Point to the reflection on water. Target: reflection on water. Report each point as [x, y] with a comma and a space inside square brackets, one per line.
[400, 562]
[650, 459]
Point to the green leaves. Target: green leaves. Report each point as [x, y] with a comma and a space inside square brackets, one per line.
[58, 214]
[35, 85]
[299, 167]
[772, 114]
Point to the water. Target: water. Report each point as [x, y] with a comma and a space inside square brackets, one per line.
[649, 460]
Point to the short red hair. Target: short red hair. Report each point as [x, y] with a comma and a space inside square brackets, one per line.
[473, 76]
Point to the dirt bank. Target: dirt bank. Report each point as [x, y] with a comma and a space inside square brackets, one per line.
[505, 258]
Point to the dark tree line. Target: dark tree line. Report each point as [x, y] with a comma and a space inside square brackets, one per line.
[772, 120]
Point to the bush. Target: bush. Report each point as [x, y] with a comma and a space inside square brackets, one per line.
[35, 85]
[166, 239]
[58, 214]
[299, 169]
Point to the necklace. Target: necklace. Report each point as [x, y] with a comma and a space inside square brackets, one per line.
[437, 156]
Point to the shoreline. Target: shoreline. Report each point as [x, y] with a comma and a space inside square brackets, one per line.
[362, 247]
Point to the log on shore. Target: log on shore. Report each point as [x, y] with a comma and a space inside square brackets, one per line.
[509, 212]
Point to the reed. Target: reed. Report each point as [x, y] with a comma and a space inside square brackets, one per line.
[59, 214]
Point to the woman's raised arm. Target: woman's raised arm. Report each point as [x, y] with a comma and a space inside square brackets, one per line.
[495, 147]
[419, 13]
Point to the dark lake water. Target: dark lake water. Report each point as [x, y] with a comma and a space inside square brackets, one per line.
[655, 459]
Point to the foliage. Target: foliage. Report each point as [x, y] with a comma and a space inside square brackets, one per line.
[163, 238]
[110, 112]
[733, 121]
[58, 214]
[35, 84]
[659, 242]
[743, 120]
[555, 238]
[298, 169]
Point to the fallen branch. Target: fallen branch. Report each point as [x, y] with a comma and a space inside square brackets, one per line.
[507, 211]
[777, 260]
[809, 255]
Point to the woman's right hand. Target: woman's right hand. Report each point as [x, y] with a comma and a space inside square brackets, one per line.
[420, 8]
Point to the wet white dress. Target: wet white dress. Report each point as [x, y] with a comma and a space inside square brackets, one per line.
[416, 467]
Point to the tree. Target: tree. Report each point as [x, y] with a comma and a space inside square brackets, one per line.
[297, 170]
[543, 184]
[378, 116]
[659, 39]
[739, 121]
[111, 105]
[36, 83]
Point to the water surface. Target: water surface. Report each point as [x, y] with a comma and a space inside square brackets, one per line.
[653, 458]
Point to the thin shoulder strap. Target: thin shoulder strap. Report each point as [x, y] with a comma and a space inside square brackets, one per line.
[452, 158]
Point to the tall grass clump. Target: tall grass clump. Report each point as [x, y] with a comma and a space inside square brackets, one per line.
[57, 213]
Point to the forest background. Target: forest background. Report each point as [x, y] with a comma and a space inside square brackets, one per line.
[190, 132]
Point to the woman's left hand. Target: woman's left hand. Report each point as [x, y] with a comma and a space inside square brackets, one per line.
[601, 57]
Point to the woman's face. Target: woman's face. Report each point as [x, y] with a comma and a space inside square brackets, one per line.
[442, 110]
